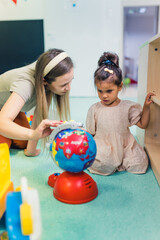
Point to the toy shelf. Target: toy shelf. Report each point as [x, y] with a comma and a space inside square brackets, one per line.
[153, 151]
[149, 81]
[156, 99]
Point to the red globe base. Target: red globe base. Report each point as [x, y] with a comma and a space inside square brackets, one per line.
[75, 188]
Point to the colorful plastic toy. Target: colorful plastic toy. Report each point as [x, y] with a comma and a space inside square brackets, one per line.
[6, 185]
[30, 118]
[23, 219]
[22, 208]
[73, 150]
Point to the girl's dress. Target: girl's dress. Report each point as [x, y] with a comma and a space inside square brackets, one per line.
[117, 149]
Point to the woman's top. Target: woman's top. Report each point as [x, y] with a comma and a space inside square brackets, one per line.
[21, 81]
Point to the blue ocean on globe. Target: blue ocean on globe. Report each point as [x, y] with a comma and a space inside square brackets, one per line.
[74, 149]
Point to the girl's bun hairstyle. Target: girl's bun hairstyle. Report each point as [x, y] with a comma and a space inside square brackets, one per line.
[113, 57]
[108, 69]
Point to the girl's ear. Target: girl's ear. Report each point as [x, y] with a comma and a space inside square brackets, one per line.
[120, 86]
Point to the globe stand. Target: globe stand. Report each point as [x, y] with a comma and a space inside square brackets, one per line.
[73, 188]
[74, 150]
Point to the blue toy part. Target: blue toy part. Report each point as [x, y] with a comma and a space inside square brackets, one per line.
[13, 223]
[23, 220]
[66, 125]
[74, 150]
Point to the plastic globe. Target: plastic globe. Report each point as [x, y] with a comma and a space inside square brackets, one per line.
[74, 149]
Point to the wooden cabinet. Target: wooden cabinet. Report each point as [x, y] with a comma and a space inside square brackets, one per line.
[149, 81]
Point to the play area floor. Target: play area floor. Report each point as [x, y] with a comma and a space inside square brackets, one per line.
[127, 206]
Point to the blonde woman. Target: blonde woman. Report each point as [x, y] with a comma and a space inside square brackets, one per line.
[34, 85]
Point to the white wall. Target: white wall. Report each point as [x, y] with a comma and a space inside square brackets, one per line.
[24, 9]
[85, 32]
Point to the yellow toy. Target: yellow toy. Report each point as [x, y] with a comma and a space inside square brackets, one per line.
[23, 220]
[6, 185]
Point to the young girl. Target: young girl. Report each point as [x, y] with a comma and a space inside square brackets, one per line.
[109, 121]
[31, 86]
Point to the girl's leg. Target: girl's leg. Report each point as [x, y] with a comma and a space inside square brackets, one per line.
[21, 120]
[98, 167]
[135, 160]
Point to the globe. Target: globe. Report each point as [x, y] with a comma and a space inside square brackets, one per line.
[74, 149]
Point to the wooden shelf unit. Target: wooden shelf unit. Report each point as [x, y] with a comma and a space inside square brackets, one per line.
[156, 100]
[149, 81]
[153, 151]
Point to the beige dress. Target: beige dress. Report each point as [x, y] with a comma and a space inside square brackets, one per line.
[117, 149]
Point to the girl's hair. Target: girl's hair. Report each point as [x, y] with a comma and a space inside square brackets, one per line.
[108, 69]
[44, 95]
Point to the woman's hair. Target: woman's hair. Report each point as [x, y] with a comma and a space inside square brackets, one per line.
[43, 94]
[108, 69]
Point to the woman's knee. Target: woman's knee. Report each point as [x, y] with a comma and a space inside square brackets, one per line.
[19, 144]
[5, 140]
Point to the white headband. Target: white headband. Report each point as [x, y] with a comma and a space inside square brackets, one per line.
[54, 62]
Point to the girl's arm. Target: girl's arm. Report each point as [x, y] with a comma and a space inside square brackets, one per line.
[143, 122]
[12, 130]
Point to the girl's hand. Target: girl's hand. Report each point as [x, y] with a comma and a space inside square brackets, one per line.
[33, 154]
[44, 129]
[144, 121]
[148, 99]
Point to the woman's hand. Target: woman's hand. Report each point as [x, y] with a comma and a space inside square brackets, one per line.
[32, 154]
[44, 129]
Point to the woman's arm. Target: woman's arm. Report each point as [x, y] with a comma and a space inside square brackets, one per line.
[8, 113]
[143, 122]
[12, 130]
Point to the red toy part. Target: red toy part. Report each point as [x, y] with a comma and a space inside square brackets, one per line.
[75, 188]
[15, 1]
[31, 117]
[52, 179]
